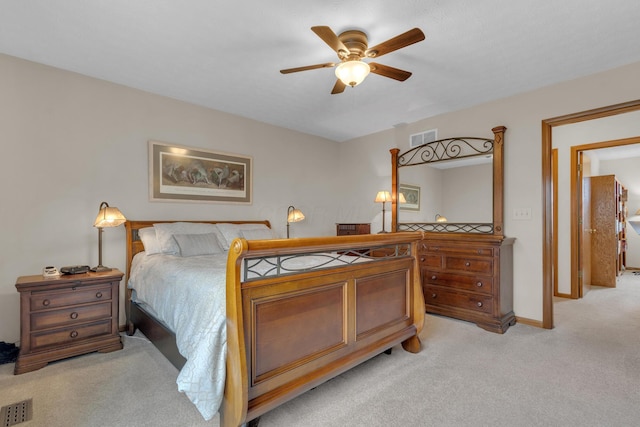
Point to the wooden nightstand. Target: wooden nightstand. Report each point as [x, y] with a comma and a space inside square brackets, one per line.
[67, 316]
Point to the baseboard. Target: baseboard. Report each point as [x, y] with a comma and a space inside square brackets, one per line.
[559, 295]
[530, 322]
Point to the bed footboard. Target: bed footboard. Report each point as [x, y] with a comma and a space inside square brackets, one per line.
[289, 330]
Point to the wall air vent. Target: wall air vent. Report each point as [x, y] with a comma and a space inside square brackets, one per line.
[423, 137]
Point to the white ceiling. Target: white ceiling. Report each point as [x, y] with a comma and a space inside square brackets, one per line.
[227, 54]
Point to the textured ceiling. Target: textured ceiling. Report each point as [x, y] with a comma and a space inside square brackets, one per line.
[227, 55]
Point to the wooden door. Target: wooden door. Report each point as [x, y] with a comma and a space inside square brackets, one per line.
[603, 238]
[584, 246]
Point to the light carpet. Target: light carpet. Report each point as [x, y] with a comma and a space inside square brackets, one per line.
[584, 372]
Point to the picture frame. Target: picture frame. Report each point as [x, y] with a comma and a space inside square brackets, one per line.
[411, 195]
[185, 174]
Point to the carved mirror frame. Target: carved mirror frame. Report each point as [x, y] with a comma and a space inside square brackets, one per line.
[449, 149]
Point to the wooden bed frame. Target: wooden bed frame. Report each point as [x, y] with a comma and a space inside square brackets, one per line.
[292, 331]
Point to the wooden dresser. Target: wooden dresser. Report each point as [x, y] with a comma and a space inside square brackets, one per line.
[349, 229]
[67, 316]
[469, 277]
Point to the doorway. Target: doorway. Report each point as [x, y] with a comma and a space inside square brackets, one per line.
[548, 220]
[582, 231]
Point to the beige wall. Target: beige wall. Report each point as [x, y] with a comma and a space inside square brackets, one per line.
[70, 142]
[522, 115]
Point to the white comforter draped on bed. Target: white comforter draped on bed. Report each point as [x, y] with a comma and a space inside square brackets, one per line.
[176, 287]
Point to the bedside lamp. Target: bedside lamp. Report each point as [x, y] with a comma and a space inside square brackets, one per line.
[107, 217]
[293, 215]
[440, 218]
[383, 197]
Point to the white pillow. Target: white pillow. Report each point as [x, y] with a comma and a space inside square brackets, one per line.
[150, 241]
[232, 231]
[257, 234]
[166, 230]
[198, 244]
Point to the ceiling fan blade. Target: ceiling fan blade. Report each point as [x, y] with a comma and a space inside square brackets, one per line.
[412, 36]
[308, 67]
[330, 38]
[338, 87]
[386, 71]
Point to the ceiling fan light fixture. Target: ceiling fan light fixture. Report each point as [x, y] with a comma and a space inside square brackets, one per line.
[352, 72]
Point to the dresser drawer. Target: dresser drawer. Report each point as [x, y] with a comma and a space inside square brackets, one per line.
[428, 260]
[434, 295]
[73, 295]
[458, 250]
[483, 284]
[70, 316]
[471, 265]
[70, 334]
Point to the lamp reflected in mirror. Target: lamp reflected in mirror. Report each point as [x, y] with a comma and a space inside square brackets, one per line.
[293, 215]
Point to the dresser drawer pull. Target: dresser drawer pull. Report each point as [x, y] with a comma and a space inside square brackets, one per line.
[98, 294]
[479, 284]
[422, 259]
[46, 302]
[434, 295]
[74, 315]
[467, 264]
[73, 334]
[434, 277]
[479, 304]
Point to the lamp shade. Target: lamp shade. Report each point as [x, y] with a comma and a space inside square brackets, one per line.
[383, 196]
[440, 218]
[294, 215]
[352, 72]
[109, 217]
[401, 198]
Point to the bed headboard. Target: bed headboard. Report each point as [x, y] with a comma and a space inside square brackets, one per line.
[134, 244]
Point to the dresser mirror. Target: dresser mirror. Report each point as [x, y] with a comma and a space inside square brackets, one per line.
[453, 185]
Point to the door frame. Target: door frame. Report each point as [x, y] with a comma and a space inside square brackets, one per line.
[576, 203]
[549, 255]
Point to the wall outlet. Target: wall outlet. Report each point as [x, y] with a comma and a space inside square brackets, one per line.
[522, 214]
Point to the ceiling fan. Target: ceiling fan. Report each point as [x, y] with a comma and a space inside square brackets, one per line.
[351, 47]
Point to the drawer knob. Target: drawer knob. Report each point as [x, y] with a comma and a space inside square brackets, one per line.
[422, 259]
[467, 263]
[479, 304]
[479, 284]
[46, 302]
[74, 315]
[98, 294]
[434, 277]
[434, 295]
[73, 334]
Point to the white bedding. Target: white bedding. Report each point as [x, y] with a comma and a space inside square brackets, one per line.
[175, 287]
[188, 295]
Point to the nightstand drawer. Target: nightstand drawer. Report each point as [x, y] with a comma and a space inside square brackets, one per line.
[67, 316]
[70, 334]
[75, 295]
[70, 316]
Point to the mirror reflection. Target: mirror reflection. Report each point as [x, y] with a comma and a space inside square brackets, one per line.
[459, 190]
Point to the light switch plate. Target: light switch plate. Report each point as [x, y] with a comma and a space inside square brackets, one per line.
[522, 214]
